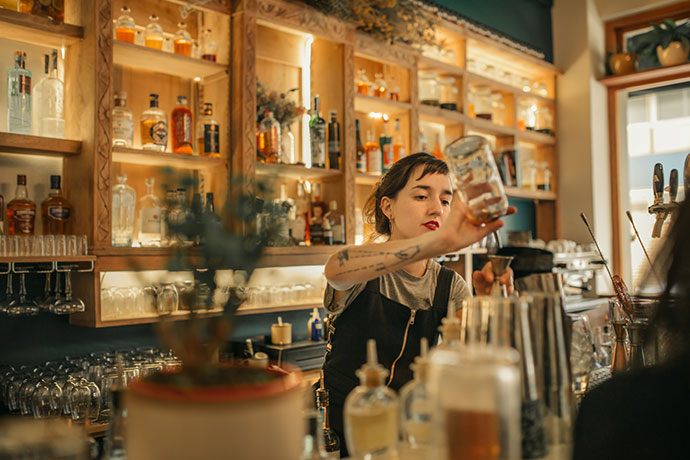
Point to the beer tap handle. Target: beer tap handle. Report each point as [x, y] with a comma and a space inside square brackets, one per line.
[658, 183]
[686, 175]
[673, 185]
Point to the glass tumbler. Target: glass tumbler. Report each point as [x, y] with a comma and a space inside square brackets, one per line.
[476, 178]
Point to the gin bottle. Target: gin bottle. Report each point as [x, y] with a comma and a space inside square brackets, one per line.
[19, 96]
[38, 95]
[317, 134]
[149, 217]
[52, 103]
[124, 202]
[123, 122]
[154, 127]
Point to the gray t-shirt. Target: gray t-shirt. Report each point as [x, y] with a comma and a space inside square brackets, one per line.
[399, 286]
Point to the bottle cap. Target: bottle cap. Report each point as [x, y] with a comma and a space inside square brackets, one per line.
[450, 325]
[421, 362]
[21, 179]
[209, 196]
[55, 182]
[182, 100]
[371, 374]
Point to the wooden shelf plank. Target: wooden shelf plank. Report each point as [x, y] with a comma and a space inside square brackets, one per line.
[37, 30]
[175, 316]
[141, 57]
[540, 195]
[43, 259]
[368, 104]
[503, 52]
[439, 115]
[428, 63]
[245, 311]
[478, 124]
[295, 171]
[297, 255]
[495, 84]
[175, 160]
[366, 178]
[647, 76]
[37, 145]
[534, 137]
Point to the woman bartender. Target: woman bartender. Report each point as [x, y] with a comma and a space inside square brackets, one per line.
[395, 292]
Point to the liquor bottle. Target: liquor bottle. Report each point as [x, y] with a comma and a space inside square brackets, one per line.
[379, 85]
[210, 209]
[21, 211]
[182, 127]
[19, 96]
[37, 93]
[125, 26]
[362, 82]
[371, 411]
[437, 147]
[169, 204]
[333, 142]
[154, 127]
[209, 46]
[52, 102]
[183, 41]
[331, 440]
[317, 134]
[398, 146]
[318, 212]
[269, 138]
[393, 90]
[207, 134]
[300, 228]
[153, 36]
[123, 122]
[195, 218]
[423, 141]
[150, 217]
[374, 160]
[124, 204]
[56, 211]
[337, 223]
[361, 153]
[53, 10]
[386, 143]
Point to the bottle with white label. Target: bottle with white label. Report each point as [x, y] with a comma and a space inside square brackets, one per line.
[150, 217]
[123, 122]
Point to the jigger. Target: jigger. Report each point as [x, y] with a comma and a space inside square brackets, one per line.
[499, 265]
[620, 355]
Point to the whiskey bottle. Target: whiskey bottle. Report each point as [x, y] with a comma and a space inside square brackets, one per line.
[386, 143]
[52, 102]
[154, 127]
[124, 26]
[153, 36]
[182, 127]
[319, 209]
[210, 209]
[19, 96]
[374, 160]
[333, 142]
[207, 137]
[123, 122]
[361, 153]
[56, 211]
[124, 203]
[21, 211]
[331, 440]
[317, 134]
[149, 222]
[183, 41]
[398, 146]
[337, 221]
[269, 139]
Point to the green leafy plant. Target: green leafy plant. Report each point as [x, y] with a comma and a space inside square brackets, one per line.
[663, 35]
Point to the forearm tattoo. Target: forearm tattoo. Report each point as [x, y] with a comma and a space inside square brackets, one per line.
[403, 256]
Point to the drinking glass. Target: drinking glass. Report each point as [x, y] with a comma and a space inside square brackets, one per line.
[24, 246]
[49, 243]
[60, 245]
[167, 299]
[22, 306]
[3, 246]
[68, 304]
[72, 245]
[45, 301]
[83, 245]
[581, 353]
[9, 295]
[38, 246]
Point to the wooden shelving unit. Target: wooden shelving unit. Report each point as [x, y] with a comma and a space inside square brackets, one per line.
[37, 30]
[430, 64]
[36, 145]
[245, 311]
[442, 116]
[366, 179]
[473, 78]
[378, 104]
[537, 195]
[290, 256]
[295, 171]
[174, 316]
[644, 77]
[478, 124]
[165, 159]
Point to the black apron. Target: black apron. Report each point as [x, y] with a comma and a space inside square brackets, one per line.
[373, 316]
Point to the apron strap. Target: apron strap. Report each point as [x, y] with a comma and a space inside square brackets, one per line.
[443, 284]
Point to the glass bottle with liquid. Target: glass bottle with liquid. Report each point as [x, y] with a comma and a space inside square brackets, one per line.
[56, 211]
[386, 144]
[333, 142]
[21, 211]
[153, 36]
[374, 158]
[337, 223]
[123, 122]
[19, 96]
[208, 135]
[182, 127]
[209, 47]
[398, 145]
[125, 26]
[37, 92]
[317, 135]
[380, 87]
[124, 205]
[416, 405]
[476, 178]
[361, 152]
[362, 82]
[183, 41]
[319, 209]
[154, 127]
[393, 90]
[51, 117]
[149, 223]
[269, 138]
[370, 414]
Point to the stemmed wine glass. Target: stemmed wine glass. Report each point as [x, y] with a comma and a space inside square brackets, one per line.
[9, 295]
[44, 302]
[22, 306]
[68, 304]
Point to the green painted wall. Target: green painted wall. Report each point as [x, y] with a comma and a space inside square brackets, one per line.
[528, 21]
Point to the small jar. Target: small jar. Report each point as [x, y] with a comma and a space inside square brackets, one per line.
[428, 89]
[154, 34]
[529, 175]
[209, 46]
[393, 90]
[544, 121]
[498, 108]
[476, 178]
[362, 82]
[125, 26]
[482, 103]
[183, 41]
[540, 89]
[449, 93]
[379, 85]
[525, 85]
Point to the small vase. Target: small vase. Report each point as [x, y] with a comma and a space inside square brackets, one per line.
[675, 53]
[622, 63]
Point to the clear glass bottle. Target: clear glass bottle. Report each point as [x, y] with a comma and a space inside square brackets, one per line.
[398, 145]
[416, 405]
[370, 414]
[52, 101]
[123, 122]
[56, 211]
[154, 127]
[149, 222]
[386, 144]
[317, 135]
[125, 28]
[21, 211]
[498, 108]
[208, 135]
[209, 46]
[475, 176]
[153, 35]
[482, 103]
[269, 138]
[124, 205]
[362, 82]
[182, 127]
[374, 158]
[183, 41]
[380, 87]
[37, 93]
[337, 221]
[393, 90]
[449, 93]
[287, 145]
[19, 96]
[428, 89]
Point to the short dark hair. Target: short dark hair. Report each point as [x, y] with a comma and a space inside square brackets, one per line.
[395, 180]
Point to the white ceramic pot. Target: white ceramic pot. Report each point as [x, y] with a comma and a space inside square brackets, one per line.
[255, 421]
[675, 53]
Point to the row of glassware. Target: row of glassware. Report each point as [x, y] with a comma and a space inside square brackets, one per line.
[488, 104]
[43, 245]
[379, 87]
[152, 36]
[52, 300]
[78, 388]
[521, 82]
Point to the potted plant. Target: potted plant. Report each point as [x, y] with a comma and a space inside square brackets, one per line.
[622, 63]
[668, 41]
[208, 409]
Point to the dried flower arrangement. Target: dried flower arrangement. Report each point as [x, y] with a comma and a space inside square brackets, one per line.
[284, 109]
